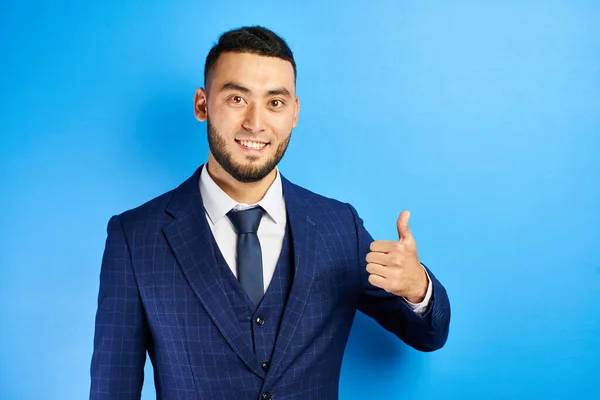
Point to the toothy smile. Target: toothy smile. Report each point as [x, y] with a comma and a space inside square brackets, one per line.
[252, 145]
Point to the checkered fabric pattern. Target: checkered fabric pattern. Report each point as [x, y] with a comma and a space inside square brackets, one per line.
[162, 293]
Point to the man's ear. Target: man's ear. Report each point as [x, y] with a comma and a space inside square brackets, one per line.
[296, 113]
[200, 105]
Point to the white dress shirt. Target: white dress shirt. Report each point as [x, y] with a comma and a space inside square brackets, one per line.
[271, 230]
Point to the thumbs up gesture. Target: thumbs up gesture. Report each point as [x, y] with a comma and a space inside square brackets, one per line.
[394, 265]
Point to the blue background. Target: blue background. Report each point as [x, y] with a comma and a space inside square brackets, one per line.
[481, 119]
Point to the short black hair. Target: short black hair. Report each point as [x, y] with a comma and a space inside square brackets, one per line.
[249, 39]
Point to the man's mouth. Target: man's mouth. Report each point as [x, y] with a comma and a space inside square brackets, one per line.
[252, 145]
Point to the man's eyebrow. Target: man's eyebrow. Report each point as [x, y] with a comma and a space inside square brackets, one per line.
[235, 86]
[279, 92]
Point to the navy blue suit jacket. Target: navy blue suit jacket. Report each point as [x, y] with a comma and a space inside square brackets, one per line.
[159, 294]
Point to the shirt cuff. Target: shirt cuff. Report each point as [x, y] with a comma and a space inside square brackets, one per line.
[421, 308]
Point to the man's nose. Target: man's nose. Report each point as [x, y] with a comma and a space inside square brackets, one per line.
[255, 119]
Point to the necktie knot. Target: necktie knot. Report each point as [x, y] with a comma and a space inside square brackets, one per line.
[246, 221]
[249, 254]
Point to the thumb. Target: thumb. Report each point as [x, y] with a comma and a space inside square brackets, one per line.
[402, 224]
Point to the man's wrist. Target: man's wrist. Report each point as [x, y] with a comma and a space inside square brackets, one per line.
[420, 295]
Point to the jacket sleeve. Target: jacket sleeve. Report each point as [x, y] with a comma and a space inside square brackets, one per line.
[117, 368]
[427, 332]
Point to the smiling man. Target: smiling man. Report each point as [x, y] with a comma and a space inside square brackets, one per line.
[238, 283]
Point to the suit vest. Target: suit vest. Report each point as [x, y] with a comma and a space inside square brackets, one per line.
[260, 326]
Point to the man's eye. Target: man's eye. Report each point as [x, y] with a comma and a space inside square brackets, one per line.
[276, 103]
[236, 99]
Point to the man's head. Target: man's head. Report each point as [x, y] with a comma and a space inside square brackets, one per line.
[249, 102]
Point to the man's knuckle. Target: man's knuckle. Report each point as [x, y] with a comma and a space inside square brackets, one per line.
[398, 259]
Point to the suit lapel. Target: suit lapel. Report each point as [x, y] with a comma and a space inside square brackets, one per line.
[189, 237]
[305, 235]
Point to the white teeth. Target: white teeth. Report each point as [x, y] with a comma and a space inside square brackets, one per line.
[252, 145]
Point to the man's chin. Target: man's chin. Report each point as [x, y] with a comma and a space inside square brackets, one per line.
[252, 160]
[251, 172]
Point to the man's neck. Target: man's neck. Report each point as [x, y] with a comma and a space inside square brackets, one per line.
[247, 193]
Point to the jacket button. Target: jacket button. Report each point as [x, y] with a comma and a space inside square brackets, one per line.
[265, 366]
[267, 396]
[260, 321]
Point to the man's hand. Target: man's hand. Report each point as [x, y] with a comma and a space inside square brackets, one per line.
[395, 267]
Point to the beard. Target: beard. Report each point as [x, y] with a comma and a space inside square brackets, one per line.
[246, 173]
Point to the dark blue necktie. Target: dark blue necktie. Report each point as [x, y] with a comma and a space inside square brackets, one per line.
[249, 255]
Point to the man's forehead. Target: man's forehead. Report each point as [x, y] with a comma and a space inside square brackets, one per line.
[252, 70]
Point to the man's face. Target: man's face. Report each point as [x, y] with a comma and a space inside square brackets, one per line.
[251, 107]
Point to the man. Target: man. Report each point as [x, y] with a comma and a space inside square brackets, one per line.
[238, 283]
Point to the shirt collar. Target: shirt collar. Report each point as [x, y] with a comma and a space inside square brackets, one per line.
[217, 203]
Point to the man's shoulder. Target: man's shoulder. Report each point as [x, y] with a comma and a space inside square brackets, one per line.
[318, 201]
[151, 209]
[156, 208]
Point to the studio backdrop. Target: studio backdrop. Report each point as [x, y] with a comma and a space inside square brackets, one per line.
[481, 118]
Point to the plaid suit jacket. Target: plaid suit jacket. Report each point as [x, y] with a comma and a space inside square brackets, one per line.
[159, 295]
